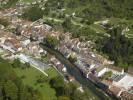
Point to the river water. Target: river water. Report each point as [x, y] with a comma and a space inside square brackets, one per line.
[72, 70]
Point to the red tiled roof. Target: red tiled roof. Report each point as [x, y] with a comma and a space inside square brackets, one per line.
[115, 89]
[126, 96]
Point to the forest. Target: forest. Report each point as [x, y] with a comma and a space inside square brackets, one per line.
[118, 47]
[12, 87]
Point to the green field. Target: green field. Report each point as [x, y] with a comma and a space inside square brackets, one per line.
[51, 72]
[30, 78]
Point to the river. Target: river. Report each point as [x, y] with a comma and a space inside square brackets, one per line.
[74, 71]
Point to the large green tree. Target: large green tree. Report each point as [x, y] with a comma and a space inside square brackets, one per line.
[33, 13]
[51, 41]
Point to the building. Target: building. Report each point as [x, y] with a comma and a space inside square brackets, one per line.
[123, 81]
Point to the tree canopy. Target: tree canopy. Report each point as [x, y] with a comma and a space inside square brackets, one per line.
[33, 13]
[12, 88]
[51, 41]
[118, 47]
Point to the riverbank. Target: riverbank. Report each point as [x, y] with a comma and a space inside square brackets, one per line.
[74, 71]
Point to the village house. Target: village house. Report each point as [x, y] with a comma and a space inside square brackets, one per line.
[58, 65]
[9, 41]
[119, 83]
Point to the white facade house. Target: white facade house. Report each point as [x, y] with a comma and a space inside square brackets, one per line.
[92, 66]
[102, 72]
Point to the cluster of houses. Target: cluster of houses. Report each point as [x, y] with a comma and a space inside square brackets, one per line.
[92, 64]
[58, 64]
[23, 43]
[19, 45]
[10, 42]
[62, 69]
[18, 41]
[86, 60]
[119, 83]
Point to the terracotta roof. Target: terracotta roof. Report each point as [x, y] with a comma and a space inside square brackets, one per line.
[14, 42]
[114, 89]
[126, 96]
[107, 82]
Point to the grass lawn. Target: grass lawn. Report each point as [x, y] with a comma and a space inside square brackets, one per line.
[31, 75]
[51, 72]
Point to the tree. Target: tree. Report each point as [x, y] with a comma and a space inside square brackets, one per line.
[77, 95]
[4, 22]
[18, 30]
[10, 90]
[16, 63]
[33, 13]
[72, 4]
[27, 65]
[57, 82]
[41, 80]
[118, 47]
[1, 92]
[9, 4]
[12, 87]
[51, 41]
[72, 59]
[67, 24]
